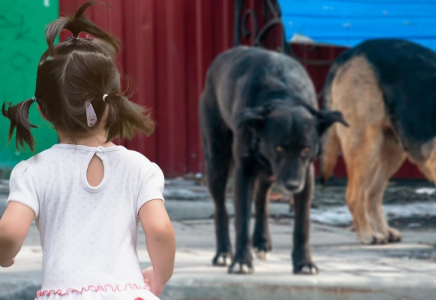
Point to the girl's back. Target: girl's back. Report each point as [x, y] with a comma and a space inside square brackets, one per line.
[84, 227]
[86, 194]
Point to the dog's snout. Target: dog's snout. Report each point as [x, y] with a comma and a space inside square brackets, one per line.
[292, 185]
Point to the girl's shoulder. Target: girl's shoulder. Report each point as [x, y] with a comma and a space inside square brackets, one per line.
[36, 160]
[134, 159]
[36, 164]
[137, 160]
[137, 156]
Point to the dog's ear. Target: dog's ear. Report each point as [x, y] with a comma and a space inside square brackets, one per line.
[327, 118]
[251, 117]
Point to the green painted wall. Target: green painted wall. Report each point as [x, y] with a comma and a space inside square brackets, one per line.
[22, 41]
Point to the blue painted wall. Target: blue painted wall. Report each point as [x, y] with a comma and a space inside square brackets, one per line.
[347, 23]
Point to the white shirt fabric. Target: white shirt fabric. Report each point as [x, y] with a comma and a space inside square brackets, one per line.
[88, 234]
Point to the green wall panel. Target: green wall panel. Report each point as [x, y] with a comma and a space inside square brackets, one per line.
[22, 41]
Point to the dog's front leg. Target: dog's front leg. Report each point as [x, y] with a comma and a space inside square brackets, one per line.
[301, 256]
[244, 184]
[261, 235]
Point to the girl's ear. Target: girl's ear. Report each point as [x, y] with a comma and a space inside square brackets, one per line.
[40, 112]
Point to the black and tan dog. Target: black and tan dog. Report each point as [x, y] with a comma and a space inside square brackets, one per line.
[258, 113]
[386, 90]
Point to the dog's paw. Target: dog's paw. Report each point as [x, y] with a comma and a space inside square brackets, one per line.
[261, 249]
[393, 235]
[261, 254]
[262, 243]
[373, 238]
[306, 268]
[222, 259]
[241, 266]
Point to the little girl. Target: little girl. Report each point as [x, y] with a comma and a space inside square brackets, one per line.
[86, 193]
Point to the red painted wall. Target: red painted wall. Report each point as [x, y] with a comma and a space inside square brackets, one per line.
[167, 48]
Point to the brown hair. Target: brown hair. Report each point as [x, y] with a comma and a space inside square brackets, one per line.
[70, 74]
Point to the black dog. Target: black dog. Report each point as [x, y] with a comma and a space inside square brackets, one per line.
[258, 113]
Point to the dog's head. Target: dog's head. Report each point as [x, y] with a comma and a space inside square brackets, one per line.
[288, 136]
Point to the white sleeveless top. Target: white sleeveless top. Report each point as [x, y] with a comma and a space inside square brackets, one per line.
[88, 234]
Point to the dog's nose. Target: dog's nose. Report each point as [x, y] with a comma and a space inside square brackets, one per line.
[292, 185]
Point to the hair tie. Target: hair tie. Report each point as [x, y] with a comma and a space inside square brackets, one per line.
[33, 98]
[104, 97]
[71, 37]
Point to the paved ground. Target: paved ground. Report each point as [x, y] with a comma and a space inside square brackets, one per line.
[347, 270]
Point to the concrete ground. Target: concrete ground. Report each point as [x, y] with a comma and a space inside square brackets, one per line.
[348, 270]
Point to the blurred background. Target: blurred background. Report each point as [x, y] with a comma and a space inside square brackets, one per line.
[169, 45]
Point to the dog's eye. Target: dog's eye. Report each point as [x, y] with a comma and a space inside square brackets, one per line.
[305, 152]
[279, 149]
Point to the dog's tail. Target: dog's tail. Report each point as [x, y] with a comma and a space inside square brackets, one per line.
[329, 156]
[331, 147]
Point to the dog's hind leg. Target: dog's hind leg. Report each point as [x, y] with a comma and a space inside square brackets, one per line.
[427, 164]
[261, 235]
[356, 93]
[217, 143]
[391, 158]
[361, 156]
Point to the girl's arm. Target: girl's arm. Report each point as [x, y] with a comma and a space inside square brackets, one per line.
[161, 243]
[14, 226]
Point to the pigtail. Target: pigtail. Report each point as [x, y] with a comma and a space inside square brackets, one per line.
[125, 117]
[76, 24]
[52, 31]
[19, 118]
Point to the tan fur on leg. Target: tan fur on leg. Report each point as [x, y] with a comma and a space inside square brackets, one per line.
[356, 94]
[390, 159]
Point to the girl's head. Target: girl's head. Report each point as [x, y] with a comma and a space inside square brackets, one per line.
[73, 79]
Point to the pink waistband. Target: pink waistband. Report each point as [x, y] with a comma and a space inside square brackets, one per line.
[98, 288]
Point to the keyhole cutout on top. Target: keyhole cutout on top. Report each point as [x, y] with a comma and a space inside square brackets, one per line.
[95, 171]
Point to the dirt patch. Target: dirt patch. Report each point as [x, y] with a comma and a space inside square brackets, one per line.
[425, 223]
[397, 192]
